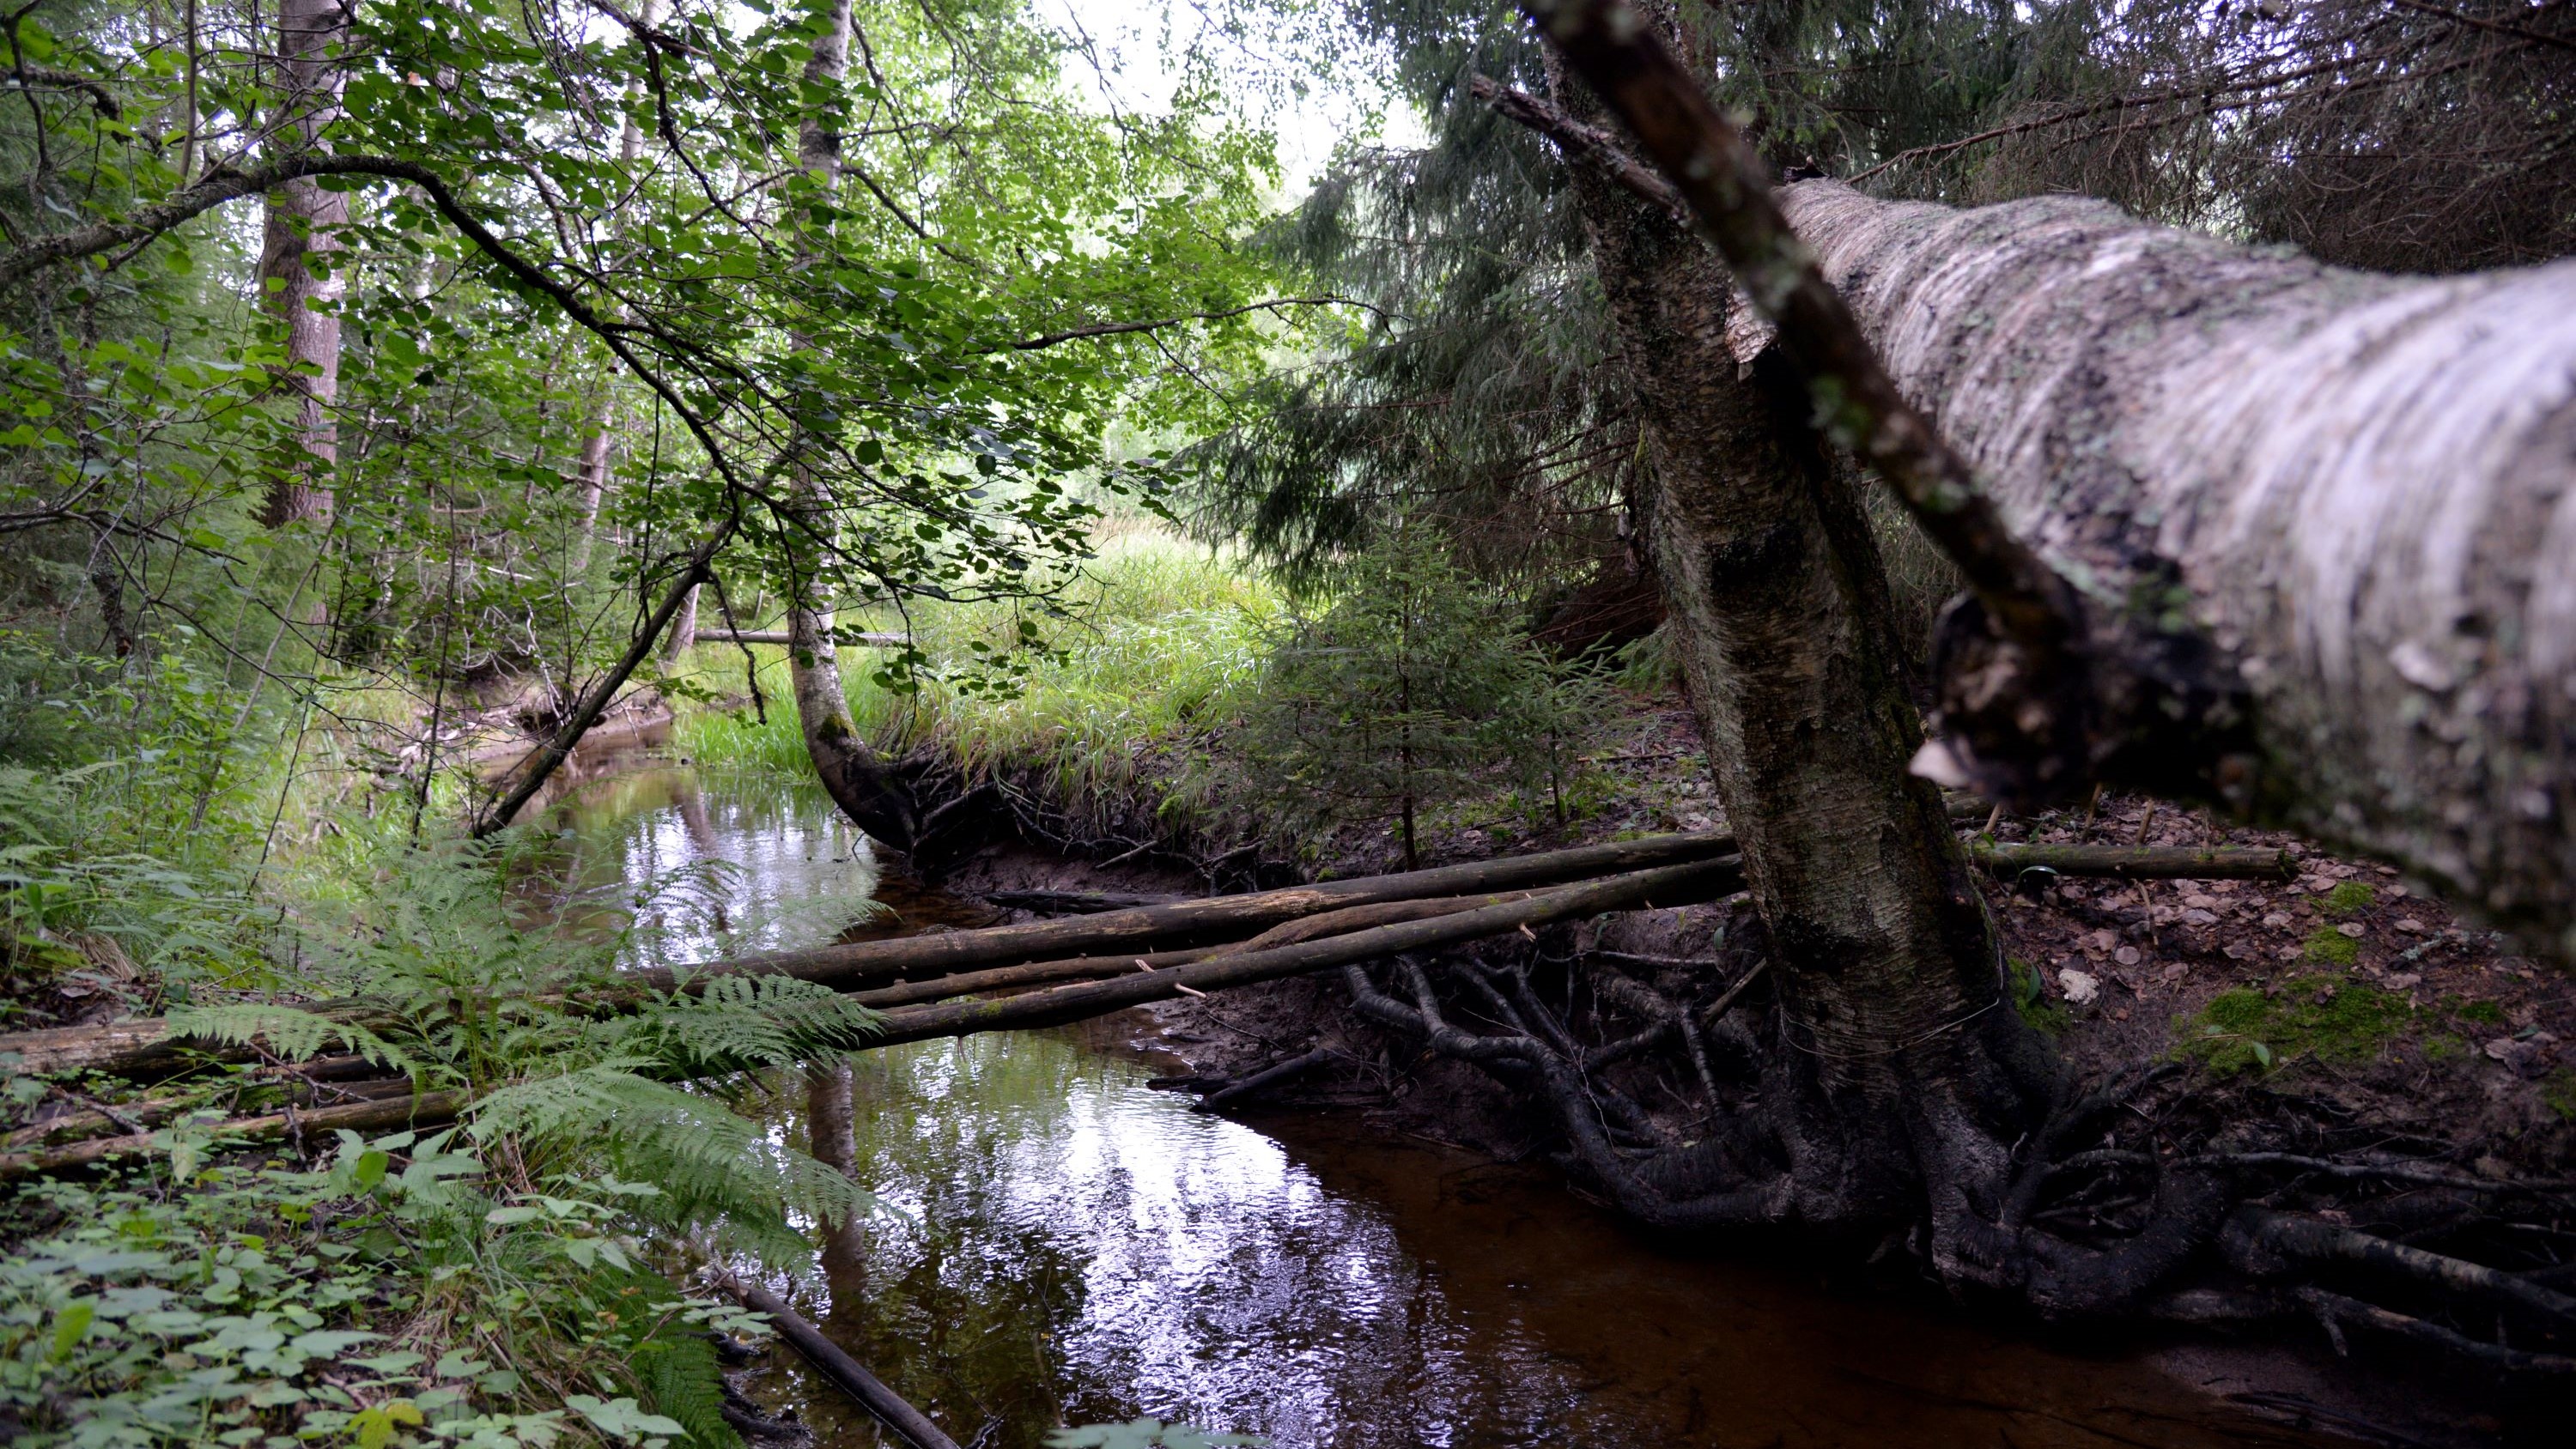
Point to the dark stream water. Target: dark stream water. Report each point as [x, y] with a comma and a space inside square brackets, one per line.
[1065, 1245]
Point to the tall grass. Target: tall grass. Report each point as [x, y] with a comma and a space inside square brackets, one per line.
[1155, 643]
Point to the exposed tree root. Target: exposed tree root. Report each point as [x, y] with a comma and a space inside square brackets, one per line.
[2095, 1212]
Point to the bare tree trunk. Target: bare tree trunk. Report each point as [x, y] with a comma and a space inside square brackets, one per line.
[684, 630]
[2360, 489]
[303, 220]
[856, 780]
[598, 439]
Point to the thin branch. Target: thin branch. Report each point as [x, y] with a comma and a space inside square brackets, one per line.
[1582, 143]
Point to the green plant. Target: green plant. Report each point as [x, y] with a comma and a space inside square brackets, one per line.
[1403, 694]
[201, 1301]
[2030, 998]
[2559, 1091]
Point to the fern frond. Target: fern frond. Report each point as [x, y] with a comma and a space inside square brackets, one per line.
[290, 1033]
[714, 1169]
[742, 1022]
[681, 1380]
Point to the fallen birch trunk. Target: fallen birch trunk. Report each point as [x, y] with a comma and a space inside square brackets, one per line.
[2359, 491]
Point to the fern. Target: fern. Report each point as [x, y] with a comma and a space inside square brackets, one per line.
[681, 1380]
[743, 1022]
[715, 1170]
[286, 1031]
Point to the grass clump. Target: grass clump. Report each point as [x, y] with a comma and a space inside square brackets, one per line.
[2325, 1018]
[2560, 1093]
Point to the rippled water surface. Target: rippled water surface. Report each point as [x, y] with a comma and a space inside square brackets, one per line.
[1063, 1244]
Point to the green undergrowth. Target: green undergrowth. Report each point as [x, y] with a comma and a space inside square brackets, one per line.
[1155, 644]
[394, 1294]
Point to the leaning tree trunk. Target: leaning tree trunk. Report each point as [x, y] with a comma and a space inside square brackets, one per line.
[856, 780]
[303, 222]
[2360, 489]
[1909, 1075]
[1898, 1082]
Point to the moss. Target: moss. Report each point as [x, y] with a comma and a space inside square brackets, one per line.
[2330, 947]
[2560, 1093]
[2327, 1018]
[2349, 897]
[2444, 1048]
[2485, 1013]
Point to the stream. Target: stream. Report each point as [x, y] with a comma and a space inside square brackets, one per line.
[1063, 1245]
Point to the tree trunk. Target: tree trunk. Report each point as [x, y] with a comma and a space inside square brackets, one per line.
[1897, 1076]
[684, 631]
[2361, 488]
[303, 220]
[856, 780]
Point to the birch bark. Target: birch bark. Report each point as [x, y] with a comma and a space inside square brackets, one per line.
[2362, 488]
[302, 223]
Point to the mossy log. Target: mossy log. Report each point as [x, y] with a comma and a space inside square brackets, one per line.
[2151, 862]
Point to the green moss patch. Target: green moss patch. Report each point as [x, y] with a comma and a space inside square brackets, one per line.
[2324, 1018]
[2330, 947]
[2349, 897]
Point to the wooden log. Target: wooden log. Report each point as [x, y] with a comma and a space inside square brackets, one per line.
[1265, 1079]
[143, 1044]
[1670, 885]
[1074, 903]
[1088, 968]
[2153, 862]
[426, 1110]
[1035, 973]
[845, 1372]
[1198, 921]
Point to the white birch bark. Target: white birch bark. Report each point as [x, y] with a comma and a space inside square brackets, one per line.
[303, 221]
[2364, 485]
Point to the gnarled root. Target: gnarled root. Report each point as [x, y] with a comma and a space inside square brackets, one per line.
[1684, 1117]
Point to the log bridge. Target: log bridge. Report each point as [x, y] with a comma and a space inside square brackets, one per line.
[1011, 977]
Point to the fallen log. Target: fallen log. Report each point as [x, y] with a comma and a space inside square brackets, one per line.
[1082, 968]
[1074, 903]
[1192, 922]
[1670, 885]
[430, 1109]
[1264, 1080]
[845, 1372]
[2152, 862]
[144, 1043]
